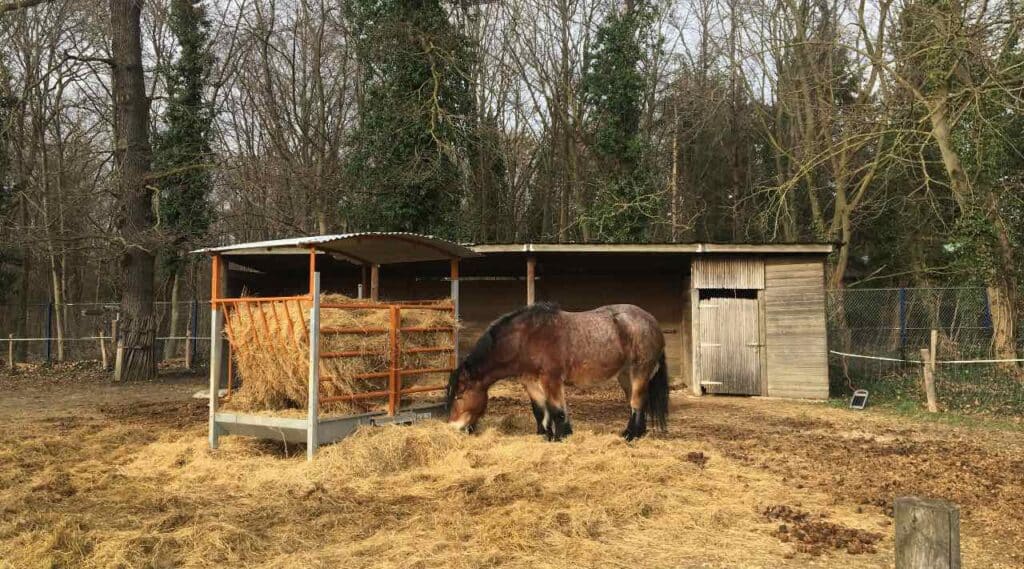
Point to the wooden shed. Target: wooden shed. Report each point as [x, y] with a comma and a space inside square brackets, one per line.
[743, 319]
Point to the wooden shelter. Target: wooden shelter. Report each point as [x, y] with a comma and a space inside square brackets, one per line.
[741, 319]
[291, 270]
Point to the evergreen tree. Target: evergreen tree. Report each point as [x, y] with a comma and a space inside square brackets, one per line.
[182, 153]
[625, 199]
[408, 166]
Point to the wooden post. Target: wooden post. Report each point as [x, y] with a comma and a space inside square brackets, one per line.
[313, 425]
[10, 352]
[696, 374]
[188, 347]
[103, 351]
[928, 364]
[115, 339]
[375, 282]
[531, 275]
[927, 534]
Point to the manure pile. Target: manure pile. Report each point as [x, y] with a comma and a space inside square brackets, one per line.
[270, 349]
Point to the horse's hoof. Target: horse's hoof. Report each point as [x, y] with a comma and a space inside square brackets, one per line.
[567, 429]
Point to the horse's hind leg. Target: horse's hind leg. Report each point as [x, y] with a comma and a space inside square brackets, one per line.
[556, 420]
[637, 425]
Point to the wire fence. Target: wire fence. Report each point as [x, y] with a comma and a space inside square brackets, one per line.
[48, 333]
[875, 338]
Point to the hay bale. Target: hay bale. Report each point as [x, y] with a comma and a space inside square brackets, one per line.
[270, 348]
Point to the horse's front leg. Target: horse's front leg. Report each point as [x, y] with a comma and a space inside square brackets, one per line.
[556, 418]
[536, 394]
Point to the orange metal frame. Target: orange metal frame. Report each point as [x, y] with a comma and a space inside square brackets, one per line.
[395, 372]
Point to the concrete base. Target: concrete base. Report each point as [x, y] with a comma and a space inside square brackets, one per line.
[329, 430]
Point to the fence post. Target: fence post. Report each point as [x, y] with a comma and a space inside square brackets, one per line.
[103, 350]
[188, 347]
[312, 418]
[49, 334]
[195, 330]
[927, 534]
[928, 365]
[903, 319]
[10, 352]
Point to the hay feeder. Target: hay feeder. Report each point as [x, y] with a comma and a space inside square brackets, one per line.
[394, 352]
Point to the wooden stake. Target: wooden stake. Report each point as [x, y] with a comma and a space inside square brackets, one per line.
[927, 534]
[188, 347]
[118, 349]
[928, 360]
[103, 351]
[10, 352]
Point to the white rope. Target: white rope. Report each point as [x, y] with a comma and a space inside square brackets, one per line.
[884, 359]
[91, 338]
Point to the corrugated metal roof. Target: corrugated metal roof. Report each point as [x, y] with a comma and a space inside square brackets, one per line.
[368, 248]
[770, 248]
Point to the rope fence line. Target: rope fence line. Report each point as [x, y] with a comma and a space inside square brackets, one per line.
[54, 339]
[885, 359]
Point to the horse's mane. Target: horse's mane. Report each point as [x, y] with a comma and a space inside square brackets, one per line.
[485, 345]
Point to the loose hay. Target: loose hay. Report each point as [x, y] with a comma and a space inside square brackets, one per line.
[270, 347]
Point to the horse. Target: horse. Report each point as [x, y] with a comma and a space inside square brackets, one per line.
[549, 348]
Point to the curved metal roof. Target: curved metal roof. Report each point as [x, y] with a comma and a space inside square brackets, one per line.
[380, 248]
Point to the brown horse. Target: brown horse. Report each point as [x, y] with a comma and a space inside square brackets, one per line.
[552, 348]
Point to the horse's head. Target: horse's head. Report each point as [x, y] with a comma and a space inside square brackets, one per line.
[467, 399]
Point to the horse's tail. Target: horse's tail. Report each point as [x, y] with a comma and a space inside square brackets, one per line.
[657, 395]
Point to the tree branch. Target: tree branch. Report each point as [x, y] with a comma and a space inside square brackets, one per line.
[19, 4]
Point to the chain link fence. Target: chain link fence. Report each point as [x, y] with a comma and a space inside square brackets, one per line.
[70, 332]
[876, 337]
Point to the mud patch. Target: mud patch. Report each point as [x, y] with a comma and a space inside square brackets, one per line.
[814, 536]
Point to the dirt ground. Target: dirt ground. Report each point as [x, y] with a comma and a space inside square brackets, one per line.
[100, 475]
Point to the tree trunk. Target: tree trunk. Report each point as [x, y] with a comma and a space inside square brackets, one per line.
[171, 344]
[136, 333]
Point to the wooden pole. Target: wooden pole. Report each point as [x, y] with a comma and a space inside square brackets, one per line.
[188, 346]
[10, 352]
[375, 282]
[103, 350]
[531, 275]
[927, 534]
[313, 425]
[115, 339]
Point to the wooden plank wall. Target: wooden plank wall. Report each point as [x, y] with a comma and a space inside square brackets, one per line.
[728, 271]
[795, 333]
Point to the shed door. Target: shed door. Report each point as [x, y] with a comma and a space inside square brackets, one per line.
[729, 346]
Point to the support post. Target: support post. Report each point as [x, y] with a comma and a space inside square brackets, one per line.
[455, 310]
[10, 352]
[375, 282]
[394, 397]
[695, 341]
[927, 534]
[216, 346]
[902, 297]
[312, 436]
[531, 276]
